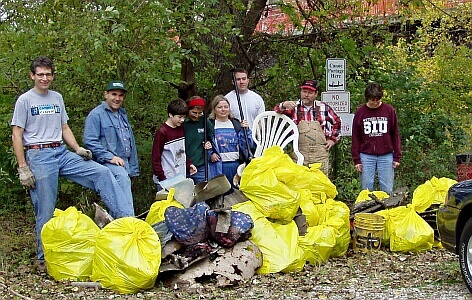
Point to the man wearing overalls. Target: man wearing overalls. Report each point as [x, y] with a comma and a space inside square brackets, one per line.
[318, 124]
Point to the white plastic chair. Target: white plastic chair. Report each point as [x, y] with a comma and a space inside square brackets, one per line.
[270, 129]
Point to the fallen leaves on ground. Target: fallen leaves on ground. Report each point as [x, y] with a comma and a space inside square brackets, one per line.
[377, 275]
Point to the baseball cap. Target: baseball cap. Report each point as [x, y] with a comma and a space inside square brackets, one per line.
[310, 84]
[116, 85]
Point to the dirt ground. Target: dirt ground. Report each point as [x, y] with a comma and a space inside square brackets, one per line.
[378, 275]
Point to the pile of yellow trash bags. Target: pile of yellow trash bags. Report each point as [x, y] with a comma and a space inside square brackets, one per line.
[405, 230]
[277, 188]
[125, 255]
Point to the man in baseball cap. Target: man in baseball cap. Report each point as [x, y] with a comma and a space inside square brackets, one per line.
[318, 124]
[310, 84]
[116, 85]
[109, 136]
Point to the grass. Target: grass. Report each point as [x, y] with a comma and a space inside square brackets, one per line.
[17, 239]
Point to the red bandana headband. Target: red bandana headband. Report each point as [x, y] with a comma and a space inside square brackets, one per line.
[196, 102]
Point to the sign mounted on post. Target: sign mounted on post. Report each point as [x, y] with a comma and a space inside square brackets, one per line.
[335, 74]
[339, 101]
[346, 124]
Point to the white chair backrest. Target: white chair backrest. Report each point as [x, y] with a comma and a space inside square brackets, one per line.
[270, 129]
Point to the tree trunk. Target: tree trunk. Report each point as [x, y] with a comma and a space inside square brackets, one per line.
[246, 21]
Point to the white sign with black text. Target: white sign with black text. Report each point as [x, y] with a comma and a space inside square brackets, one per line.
[346, 124]
[339, 101]
[336, 74]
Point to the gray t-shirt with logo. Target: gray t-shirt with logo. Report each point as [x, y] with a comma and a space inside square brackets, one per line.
[41, 117]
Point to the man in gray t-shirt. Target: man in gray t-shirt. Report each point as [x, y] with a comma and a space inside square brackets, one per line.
[39, 127]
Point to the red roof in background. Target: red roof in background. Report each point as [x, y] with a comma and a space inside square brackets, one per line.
[274, 21]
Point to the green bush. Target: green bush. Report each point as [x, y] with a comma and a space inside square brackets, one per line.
[12, 194]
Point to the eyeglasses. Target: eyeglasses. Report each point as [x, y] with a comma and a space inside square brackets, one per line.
[41, 75]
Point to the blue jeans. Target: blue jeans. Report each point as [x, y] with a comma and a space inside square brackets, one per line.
[49, 163]
[123, 179]
[214, 169]
[199, 176]
[383, 165]
[230, 168]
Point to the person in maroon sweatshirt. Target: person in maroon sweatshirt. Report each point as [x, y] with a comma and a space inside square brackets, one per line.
[376, 145]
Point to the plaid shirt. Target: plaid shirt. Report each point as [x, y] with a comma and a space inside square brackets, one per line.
[329, 120]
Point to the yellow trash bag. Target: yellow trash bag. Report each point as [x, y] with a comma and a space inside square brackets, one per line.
[433, 191]
[342, 233]
[338, 209]
[313, 205]
[127, 256]
[423, 196]
[318, 243]
[290, 233]
[260, 184]
[330, 208]
[312, 179]
[364, 195]
[318, 197]
[336, 214]
[69, 243]
[158, 208]
[412, 234]
[285, 169]
[442, 186]
[321, 211]
[393, 218]
[278, 243]
[308, 205]
[249, 208]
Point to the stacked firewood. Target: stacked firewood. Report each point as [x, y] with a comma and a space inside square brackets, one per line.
[398, 198]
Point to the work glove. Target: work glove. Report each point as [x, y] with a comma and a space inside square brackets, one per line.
[85, 153]
[26, 177]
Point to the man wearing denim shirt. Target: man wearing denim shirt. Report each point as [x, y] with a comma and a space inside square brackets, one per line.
[109, 136]
[39, 134]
